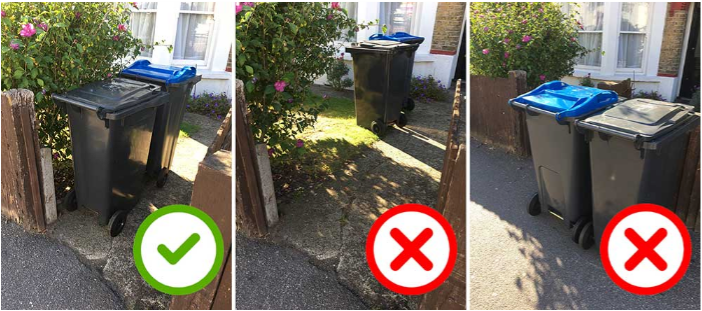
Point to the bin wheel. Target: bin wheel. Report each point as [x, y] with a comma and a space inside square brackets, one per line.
[403, 120]
[409, 104]
[116, 223]
[577, 228]
[586, 239]
[378, 127]
[534, 208]
[70, 202]
[162, 178]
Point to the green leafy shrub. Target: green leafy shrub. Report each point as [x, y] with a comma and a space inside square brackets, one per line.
[50, 47]
[210, 104]
[336, 75]
[426, 89]
[281, 48]
[535, 37]
[587, 81]
[650, 95]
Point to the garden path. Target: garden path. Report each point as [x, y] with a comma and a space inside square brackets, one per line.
[112, 257]
[330, 221]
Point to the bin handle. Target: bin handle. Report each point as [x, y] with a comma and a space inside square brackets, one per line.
[154, 102]
[608, 131]
[74, 102]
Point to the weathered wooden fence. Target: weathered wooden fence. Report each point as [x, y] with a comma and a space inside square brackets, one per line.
[452, 204]
[492, 121]
[250, 214]
[22, 198]
[688, 200]
[212, 193]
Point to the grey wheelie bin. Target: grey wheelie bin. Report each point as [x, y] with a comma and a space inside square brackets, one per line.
[560, 153]
[111, 123]
[380, 82]
[179, 83]
[637, 150]
[404, 38]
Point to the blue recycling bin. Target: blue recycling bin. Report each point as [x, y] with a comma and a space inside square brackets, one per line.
[560, 152]
[403, 37]
[178, 82]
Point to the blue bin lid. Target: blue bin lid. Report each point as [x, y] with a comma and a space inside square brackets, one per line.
[568, 101]
[399, 37]
[166, 74]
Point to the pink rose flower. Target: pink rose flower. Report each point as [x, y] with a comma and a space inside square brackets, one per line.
[248, 4]
[3, 13]
[78, 14]
[300, 143]
[573, 39]
[506, 54]
[524, 21]
[329, 17]
[335, 6]
[109, 75]
[486, 28]
[541, 10]
[542, 77]
[28, 30]
[486, 51]
[526, 39]
[14, 46]
[238, 9]
[280, 86]
[44, 26]
[506, 40]
[115, 38]
[121, 27]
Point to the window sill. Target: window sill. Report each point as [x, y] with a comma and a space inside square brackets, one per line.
[619, 76]
[215, 75]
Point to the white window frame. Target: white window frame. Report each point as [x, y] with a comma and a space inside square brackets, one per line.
[610, 45]
[219, 42]
[155, 12]
[647, 33]
[567, 10]
[210, 39]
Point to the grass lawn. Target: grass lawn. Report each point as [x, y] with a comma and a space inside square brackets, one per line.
[187, 129]
[329, 146]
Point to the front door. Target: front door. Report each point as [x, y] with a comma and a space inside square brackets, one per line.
[691, 70]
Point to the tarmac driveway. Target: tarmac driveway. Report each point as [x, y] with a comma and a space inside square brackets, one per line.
[522, 262]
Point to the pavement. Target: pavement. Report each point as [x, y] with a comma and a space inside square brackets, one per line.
[39, 272]
[289, 278]
[109, 259]
[329, 222]
[522, 262]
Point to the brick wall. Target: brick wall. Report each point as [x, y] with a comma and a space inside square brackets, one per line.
[673, 35]
[447, 28]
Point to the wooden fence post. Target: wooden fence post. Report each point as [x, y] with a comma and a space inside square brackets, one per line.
[250, 217]
[21, 161]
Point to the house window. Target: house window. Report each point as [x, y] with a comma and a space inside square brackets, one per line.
[398, 16]
[352, 10]
[142, 22]
[591, 17]
[195, 25]
[632, 34]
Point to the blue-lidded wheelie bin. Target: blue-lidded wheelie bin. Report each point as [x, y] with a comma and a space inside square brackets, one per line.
[403, 37]
[560, 152]
[637, 149]
[111, 122]
[179, 83]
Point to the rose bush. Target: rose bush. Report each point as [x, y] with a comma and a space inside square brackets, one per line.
[55, 47]
[535, 37]
[281, 48]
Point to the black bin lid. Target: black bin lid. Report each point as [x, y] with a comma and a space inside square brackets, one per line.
[640, 119]
[112, 95]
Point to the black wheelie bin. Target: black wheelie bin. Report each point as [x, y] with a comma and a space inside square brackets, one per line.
[560, 153]
[637, 150]
[111, 122]
[179, 83]
[380, 82]
[404, 38]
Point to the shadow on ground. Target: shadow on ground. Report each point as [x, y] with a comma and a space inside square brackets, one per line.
[329, 221]
[524, 262]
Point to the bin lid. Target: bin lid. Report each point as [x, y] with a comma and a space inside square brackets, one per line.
[399, 37]
[112, 95]
[381, 46]
[640, 118]
[160, 73]
[568, 101]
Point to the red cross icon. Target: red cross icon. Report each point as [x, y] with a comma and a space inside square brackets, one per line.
[645, 249]
[411, 249]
